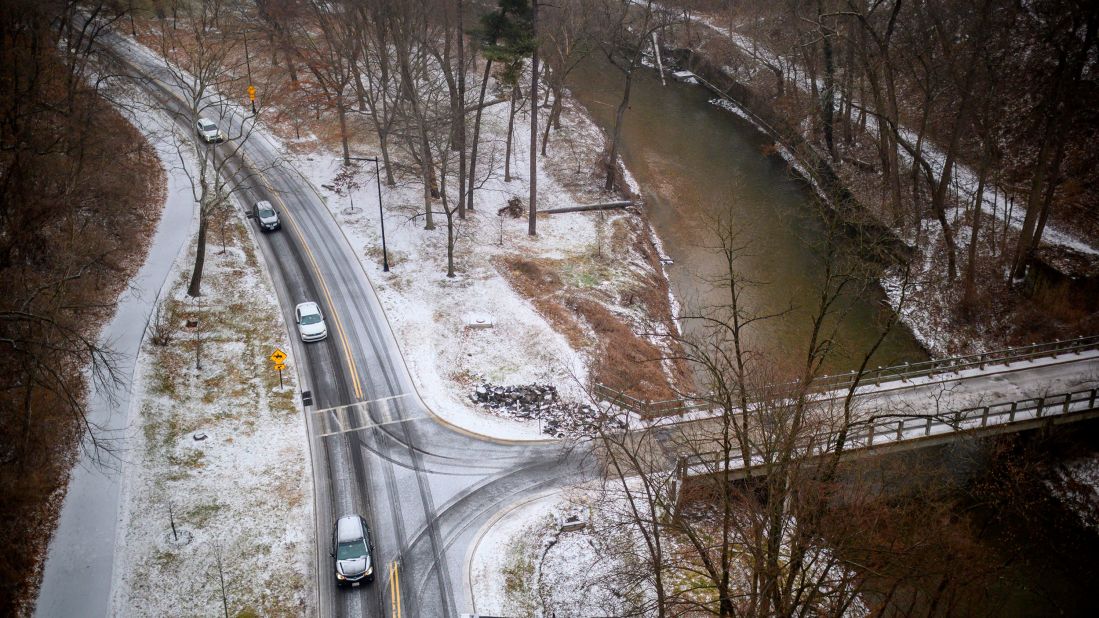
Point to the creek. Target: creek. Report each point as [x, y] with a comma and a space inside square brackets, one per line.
[697, 164]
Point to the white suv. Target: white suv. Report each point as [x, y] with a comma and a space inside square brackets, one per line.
[209, 132]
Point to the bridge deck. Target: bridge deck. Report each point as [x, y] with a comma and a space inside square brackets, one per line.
[884, 435]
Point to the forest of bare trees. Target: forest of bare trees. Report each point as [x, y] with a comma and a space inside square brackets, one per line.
[77, 186]
[917, 107]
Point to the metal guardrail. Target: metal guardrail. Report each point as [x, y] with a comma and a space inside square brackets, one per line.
[901, 373]
[887, 432]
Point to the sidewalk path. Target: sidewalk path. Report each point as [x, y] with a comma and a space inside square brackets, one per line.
[77, 573]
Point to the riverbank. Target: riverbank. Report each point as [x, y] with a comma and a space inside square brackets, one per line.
[999, 313]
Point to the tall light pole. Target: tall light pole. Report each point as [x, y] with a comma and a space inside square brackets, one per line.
[381, 213]
[248, 64]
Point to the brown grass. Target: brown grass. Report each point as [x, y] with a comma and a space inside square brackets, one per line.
[32, 490]
[622, 358]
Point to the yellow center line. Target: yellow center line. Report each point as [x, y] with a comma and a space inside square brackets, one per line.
[324, 288]
[397, 588]
[301, 239]
[392, 591]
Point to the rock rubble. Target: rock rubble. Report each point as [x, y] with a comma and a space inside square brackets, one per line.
[540, 402]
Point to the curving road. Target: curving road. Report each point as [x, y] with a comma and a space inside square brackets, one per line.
[426, 487]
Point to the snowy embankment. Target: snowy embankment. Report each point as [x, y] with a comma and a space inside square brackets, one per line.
[435, 318]
[524, 564]
[931, 323]
[994, 201]
[216, 503]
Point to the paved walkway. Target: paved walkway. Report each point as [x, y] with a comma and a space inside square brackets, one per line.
[77, 573]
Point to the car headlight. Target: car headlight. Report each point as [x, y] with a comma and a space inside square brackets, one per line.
[369, 570]
[340, 576]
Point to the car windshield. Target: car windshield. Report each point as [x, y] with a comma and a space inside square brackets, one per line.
[207, 126]
[351, 550]
[310, 318]
[266, 212]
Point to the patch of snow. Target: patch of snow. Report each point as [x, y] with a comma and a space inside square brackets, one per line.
[426, 308]
[242, 496]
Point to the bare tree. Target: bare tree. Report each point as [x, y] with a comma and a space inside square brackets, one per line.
[765, 545]
[566, 40]
[201, 66]
[626, 32]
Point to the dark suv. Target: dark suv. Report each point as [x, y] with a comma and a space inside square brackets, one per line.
[353, 551]
[266, 215]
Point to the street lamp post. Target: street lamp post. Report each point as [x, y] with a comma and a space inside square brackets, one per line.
[248, 63]
[381, 213]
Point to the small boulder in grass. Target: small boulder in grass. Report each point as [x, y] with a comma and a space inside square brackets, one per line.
[570, 522]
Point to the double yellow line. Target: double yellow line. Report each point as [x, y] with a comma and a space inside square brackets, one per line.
[395, 589]
[356, 383]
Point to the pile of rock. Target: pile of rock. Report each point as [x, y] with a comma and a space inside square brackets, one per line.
[539, 402]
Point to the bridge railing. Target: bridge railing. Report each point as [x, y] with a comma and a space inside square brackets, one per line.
[902, 373]
[888, 431]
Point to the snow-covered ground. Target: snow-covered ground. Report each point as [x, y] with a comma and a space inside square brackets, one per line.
[432, 314]
[220, 452]
[523, 564]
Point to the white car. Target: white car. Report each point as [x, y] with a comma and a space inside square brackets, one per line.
[310, 322]
[209, 132]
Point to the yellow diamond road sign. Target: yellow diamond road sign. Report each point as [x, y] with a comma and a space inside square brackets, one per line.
[277, 356]
[279, 366]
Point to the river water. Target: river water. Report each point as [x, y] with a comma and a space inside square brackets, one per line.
[696, 164]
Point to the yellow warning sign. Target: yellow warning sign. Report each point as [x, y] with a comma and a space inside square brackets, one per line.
[277, 356]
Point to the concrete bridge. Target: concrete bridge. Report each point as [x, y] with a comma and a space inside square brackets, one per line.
[916, 405]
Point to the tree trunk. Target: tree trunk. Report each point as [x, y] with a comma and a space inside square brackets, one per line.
[195, 288]
[554, 118]
[511, 129]
[461, 112]
[612, 159]
[968, 296]
[828, 96]
[1051, 188]
[427, 170]
[340, 109]
[383, 139]
[477, 135]
[532, 217]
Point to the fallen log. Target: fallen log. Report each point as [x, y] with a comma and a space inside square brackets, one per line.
[589, 207]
